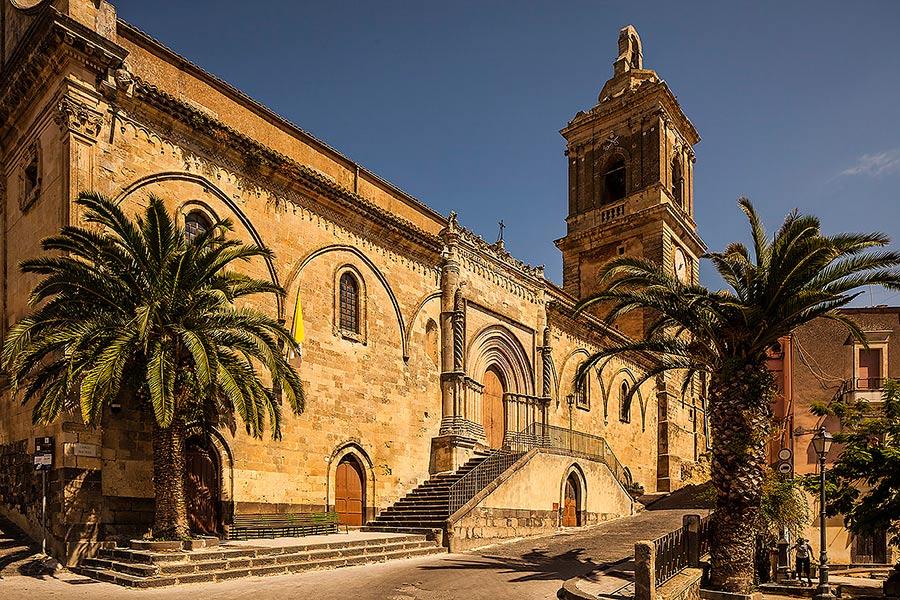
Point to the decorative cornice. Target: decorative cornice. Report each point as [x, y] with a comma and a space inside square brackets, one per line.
[650, 99]
[266, 161]
[36, 51]
[77, 117]
[455, 233]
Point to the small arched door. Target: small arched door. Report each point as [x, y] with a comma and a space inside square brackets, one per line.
[348, 492]
[570, 503]
[202, 487]
[493, 417]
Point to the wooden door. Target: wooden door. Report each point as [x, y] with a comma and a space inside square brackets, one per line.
[869, 369]
[348, 493]
[570, 505]
[493, 419]
[202, 488]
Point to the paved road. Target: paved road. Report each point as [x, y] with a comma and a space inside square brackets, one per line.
[528, 569]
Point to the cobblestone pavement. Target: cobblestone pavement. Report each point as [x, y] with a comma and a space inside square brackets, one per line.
[528, 569]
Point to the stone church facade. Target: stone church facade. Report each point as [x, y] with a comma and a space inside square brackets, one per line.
[425, 346]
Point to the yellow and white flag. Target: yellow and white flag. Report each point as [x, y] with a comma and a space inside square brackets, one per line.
[295, 355]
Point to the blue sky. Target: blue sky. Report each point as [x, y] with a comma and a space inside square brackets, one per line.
[460, 103]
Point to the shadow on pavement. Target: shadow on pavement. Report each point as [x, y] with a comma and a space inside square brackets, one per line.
[536, 565]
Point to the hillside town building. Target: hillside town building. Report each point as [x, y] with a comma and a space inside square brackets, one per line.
[818, 363]
[427, 350]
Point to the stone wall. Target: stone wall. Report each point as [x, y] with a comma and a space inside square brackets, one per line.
[528, 499]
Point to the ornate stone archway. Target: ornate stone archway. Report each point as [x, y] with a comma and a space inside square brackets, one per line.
[353, 450]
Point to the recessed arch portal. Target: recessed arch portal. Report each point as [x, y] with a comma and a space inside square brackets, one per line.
[350, 485]
[573, 497]
[496, 346]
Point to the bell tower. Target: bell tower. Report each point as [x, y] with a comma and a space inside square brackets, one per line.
[631, 183]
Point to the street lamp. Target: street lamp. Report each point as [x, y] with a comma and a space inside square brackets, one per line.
[822, 444]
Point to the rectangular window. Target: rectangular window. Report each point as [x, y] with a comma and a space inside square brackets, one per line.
[868, 373]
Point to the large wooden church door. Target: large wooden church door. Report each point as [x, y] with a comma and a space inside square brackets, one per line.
[202, 487]
[570, 504]
[348, 492]
[493, 418]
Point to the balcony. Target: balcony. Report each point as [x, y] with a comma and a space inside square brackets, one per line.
[869, 389]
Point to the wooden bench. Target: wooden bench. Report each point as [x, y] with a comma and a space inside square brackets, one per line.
[257, 526]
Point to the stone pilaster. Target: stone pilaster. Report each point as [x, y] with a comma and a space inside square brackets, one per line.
[458, 435]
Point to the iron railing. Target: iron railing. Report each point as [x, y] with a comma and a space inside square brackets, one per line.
[590, 446]
[705, 535]
[672, 550]
[481, 476]
[536, 435]
[869, 383]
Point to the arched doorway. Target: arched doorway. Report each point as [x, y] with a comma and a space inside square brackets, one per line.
[492, 413]
[349, 494]
[571, 501]
[203, 487]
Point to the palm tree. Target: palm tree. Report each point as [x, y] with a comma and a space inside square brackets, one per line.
[133, 309]
[798, 275]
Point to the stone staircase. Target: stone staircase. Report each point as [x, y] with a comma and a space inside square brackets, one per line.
[148, 569]
[425, 508]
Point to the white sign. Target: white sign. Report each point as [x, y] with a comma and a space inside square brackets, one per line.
[43, 459]
[90, 450]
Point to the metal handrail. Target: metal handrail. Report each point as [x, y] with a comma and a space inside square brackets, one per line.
[536, 435]
[466, 487]
[672, 550]
[590, 446]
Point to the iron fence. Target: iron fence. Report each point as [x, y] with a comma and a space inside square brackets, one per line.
[478, 478]
[673, 550]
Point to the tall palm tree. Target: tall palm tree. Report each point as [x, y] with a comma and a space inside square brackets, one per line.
[798, 275]
[133, 309]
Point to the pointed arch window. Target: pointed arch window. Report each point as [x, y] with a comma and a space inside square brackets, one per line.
[349, 303]
[614, 180]
[581, 394]
[678, 184]
[624, 403]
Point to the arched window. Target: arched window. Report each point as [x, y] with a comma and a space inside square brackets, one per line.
[195, 223]
[624, 403]
[349, 303]
[678, 184]
[580, 392]
[614, 180]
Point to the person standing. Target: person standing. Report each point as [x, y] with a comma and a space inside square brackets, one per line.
[804, 553]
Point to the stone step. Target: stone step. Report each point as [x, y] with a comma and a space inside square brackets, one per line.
[400, 518]
[381, 528]
[411, 524]
[226, 552]
[199, 566]
[393, 511]
[278, 568]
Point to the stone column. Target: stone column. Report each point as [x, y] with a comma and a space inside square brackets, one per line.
[449, 289]
[455, 443]
[691, 525]
[644, 571]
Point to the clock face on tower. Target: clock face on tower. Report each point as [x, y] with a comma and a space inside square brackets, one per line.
[680, 265]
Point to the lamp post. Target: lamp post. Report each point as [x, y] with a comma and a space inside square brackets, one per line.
[822, 444]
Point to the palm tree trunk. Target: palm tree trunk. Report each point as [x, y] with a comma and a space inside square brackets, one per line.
[170, 520]
[740, 416]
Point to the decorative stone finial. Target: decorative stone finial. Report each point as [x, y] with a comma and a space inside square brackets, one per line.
[631, 55]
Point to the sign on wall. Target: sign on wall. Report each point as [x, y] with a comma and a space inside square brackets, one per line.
[43, 453]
